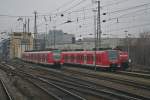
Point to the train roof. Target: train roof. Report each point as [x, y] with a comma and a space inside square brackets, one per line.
[38, 52]
[87, 51]
[41, 50]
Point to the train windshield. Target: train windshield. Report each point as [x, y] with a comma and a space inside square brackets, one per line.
[57, 54]
[113, 55]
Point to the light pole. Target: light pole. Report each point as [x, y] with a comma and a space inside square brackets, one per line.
[20, 19]
[45, 40]
[127, 40]
[95, 38]
[35, 31]
[97, 28]
[99, 31]
[54, 27]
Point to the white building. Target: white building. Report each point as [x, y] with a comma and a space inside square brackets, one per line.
[89, 43]
[58, 37]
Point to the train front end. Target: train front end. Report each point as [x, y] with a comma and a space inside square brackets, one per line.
[57, 58]
[113, 59]
[124, 60]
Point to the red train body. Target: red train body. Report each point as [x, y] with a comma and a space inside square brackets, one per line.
[44, 57]
[107, 59]
[124, 59]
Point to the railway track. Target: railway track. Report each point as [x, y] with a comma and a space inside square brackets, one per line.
[4, 93]
[87, 87]
[80, 90]
[88, 84]
[128, 73]
[57, 92]
[75, 85]
[84, 82]
[78, 85]
[109, 77]
[134, 74]
[137, 87]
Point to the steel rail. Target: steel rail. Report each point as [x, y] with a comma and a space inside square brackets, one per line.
[134, 74]
[27, 76]
[85, 82]
[6, 90]
[107, 94]
[111, 79]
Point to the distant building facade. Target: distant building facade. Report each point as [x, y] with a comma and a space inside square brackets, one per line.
[58, 37]
[39, 42]
[20, 42]
[89, 43]
[5, 49]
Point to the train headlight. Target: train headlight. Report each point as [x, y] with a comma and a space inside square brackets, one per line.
[129, 60]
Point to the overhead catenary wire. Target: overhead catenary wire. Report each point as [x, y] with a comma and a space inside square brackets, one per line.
[65, 10]
[128, 27]
[13, 16]
[130, 8]
[90, 9]
[66, 4]
[86, 8]
[127, 15]
[71, 7]
[90, 17]
[78, 10]
[121, 10]
[114, 3]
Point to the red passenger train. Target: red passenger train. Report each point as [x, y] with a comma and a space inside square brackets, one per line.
[107, 59]
[44, 57]
[124, 60]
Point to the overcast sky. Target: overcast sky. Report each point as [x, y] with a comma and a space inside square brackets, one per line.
[134, 20]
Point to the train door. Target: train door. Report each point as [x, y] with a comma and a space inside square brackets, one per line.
[75, 58]
[81, 58]
[85, 57]
[72, 58]
[98, 59]
[49, 58]
[78, 58]
[65, 57]
[90, 58]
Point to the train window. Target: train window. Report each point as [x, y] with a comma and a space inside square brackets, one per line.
[57, 54]
[92, 57]
[88, 58]
[43, 57]
[78, 58]
[97, 58]
[82, 58]
[112, 55]
[46, 57]
[66, 58]
[72, 58]
[85, 58]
